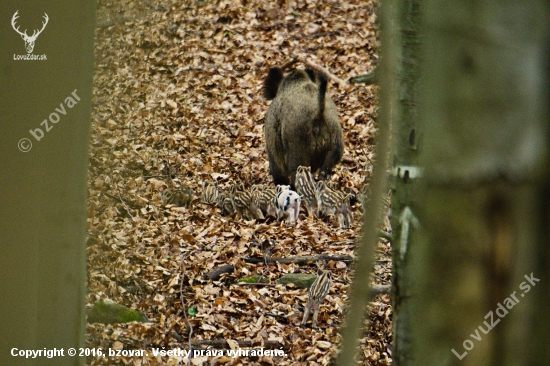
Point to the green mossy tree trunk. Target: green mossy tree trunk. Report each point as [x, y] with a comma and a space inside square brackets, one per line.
[484, 215]
[406, 133]
[43, 190]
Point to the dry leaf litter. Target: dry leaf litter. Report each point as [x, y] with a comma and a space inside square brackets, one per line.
[177, 101]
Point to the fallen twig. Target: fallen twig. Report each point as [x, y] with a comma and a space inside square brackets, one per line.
[124, 203]
[216, 273]
[155, 176]
[290, 63]
[276, 315]
[184, 309]
[297, 58]
[222, 344]
[257, 284]
[385, 235]
[367, 79]
[300, 260]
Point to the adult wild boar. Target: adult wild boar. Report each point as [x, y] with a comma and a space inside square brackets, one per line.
[301, 125]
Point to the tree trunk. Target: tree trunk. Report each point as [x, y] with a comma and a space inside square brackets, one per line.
[405, 171]
[43, 190]
[483, 242]
[359, 298]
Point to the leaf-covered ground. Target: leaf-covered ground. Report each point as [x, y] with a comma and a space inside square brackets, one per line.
[177, 101]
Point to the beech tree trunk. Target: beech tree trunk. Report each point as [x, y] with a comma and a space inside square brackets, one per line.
[405, 175]
[480, 263]
[43, 179]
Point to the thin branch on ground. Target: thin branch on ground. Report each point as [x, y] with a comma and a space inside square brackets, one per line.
[300, 260]
[124, 204]
[184, 309]
[297, 58]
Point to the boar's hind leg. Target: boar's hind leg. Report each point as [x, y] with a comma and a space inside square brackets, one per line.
[293, 160]
[279, 177]
[331, 159]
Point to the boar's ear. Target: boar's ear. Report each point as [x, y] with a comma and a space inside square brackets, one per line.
[271, 83]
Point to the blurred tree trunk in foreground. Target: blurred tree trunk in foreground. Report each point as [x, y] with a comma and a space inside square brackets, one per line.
[43, 179]
[481, 283]
[359, 294]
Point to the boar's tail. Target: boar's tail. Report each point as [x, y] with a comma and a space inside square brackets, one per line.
[322, 91]
[271, 83]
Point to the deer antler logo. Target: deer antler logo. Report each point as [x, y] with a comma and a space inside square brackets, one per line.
[29, 40]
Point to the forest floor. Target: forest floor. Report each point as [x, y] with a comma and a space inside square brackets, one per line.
[177, 101]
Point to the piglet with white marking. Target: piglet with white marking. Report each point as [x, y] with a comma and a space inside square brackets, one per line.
[287, 204]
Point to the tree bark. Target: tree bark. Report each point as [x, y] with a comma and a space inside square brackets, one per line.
[405, 177]
[372, 217]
